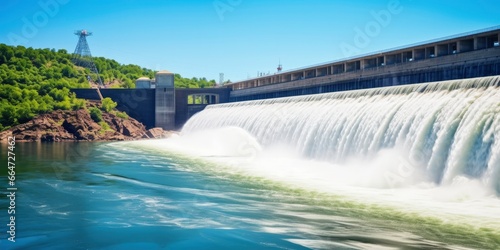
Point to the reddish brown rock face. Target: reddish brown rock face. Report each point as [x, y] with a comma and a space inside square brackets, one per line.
[79, 126]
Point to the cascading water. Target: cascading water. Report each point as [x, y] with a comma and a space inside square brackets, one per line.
[446, 129]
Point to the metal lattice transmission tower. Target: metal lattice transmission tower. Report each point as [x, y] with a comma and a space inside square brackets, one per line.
[82, 56]
[221, 79]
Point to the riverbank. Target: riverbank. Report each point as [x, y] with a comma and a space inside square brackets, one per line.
[78, 125]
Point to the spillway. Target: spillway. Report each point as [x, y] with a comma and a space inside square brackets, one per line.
[446, 129]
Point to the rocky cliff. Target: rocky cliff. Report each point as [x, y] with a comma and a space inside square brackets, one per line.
[78, 126]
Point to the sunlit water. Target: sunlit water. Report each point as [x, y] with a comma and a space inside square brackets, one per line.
[398, 168]
[121, 196]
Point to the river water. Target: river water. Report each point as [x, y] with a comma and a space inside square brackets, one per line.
[412, 168]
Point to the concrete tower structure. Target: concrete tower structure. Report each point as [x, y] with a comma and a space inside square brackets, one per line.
[165, 100]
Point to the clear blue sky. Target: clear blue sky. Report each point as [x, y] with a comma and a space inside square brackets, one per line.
[237, 37]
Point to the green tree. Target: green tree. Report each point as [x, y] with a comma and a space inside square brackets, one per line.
[95, 114]
[68, 71]
[108, 104]
[77, 104]
[8, 115]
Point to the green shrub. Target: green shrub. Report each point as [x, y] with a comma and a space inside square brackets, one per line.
[63, 105]
[108, 104]
[78, 104]
[96, 114]
[122, 115]
[104, 127]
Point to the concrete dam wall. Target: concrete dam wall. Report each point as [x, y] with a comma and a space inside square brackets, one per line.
[141, 103]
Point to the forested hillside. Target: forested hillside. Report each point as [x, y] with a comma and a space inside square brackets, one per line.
[37, 81]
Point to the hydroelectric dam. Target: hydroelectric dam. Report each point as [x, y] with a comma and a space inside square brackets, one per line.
[405, 143]
[426, 113]
[474, 54]
[156, 103]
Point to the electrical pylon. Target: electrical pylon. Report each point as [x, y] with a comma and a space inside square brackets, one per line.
[82, 56]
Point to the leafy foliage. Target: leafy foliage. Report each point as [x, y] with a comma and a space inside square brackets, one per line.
[122, 115]
[108, 104]
[35, 81]
[96, 114]
[104, 127]
[194, 82]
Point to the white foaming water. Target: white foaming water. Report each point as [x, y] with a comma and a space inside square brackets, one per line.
[430, 148]
[444, 130]
[380, 180]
